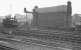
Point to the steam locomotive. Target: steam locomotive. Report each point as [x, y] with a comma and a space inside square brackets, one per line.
[10, 22]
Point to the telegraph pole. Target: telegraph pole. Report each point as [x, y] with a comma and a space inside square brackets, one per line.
[25, 11]
[27, 23]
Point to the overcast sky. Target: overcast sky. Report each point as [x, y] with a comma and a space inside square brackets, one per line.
[16, 6]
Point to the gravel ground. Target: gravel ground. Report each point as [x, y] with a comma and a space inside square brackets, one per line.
[37, 42]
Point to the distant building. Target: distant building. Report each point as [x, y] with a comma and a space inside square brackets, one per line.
[76, 19]
[57, 16]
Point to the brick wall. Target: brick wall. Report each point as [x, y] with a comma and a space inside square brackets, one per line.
[53, 20]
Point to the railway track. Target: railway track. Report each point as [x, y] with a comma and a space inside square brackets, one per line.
[48, 35]
[38, 42]
[6, 48]
[62, 36]
[52, 35]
